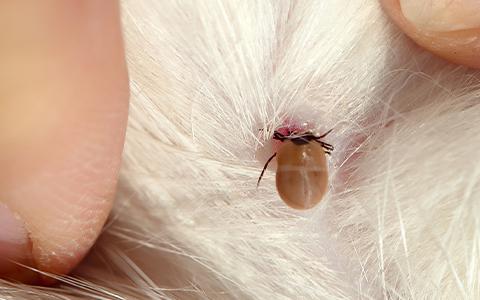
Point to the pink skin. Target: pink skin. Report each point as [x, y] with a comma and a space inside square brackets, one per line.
[289, 126]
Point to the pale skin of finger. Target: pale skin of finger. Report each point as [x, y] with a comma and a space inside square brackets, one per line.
[63, 112]
[457, 46]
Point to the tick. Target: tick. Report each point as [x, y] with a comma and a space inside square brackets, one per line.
[302, 175]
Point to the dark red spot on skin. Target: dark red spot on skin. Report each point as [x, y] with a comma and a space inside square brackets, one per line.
[289, 126]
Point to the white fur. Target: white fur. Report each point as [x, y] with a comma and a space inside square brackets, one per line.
[401, 219]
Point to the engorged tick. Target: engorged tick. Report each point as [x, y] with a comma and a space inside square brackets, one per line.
[302, 175]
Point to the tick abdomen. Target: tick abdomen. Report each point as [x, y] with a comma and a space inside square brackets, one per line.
[302, 175]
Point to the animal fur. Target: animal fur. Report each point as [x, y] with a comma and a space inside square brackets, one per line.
[401, 220]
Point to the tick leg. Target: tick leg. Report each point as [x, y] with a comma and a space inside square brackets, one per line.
[324, 135]
[265, 167]
[326, 146]
[278, 136]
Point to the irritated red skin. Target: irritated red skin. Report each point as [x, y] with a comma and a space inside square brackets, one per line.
[286, 129]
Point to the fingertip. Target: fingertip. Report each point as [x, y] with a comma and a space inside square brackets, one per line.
[449, 29]
[62, 131]
[15, 249]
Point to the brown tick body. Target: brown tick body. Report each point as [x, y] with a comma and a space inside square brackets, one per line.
[302, 175]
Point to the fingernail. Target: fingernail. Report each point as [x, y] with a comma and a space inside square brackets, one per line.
[442, 15]
[15, 248]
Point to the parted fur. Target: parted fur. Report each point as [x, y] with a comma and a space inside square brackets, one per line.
[402, 216]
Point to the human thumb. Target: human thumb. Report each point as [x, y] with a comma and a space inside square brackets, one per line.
[448, 28]
[63, 114]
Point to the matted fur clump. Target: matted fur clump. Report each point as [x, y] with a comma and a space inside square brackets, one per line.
[401, 220]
